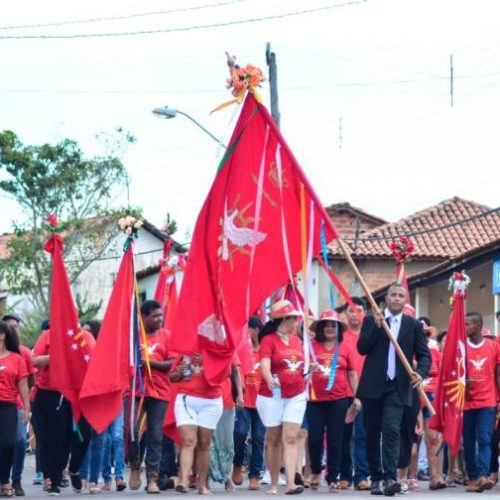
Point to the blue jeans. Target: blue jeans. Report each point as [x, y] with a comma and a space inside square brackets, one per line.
[477, 434]
[354, 450]
[115, 440]
[20, 448]
[92, 463]
[247, 418]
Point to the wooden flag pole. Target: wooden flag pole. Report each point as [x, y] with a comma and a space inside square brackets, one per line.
[385, 326]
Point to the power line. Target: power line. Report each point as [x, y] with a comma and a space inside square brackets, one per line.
[118, 18]
[184, 28]
[290, 88]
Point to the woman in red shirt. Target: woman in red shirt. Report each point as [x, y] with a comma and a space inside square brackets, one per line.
[13, 381]
[327, 408]
[281, 401]
[197, 408]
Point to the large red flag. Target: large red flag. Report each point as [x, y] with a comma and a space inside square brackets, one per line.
[449, 402]
[259, 221]
[70, 346]
[110, 369]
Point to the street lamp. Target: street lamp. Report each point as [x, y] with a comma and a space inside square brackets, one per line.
[167, 113]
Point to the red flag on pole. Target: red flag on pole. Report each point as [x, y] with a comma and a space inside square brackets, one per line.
[111, 367]
[70, 346]
[247, 241]
[449, 401]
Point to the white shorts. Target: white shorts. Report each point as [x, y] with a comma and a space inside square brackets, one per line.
[202, 412]
[274, 412]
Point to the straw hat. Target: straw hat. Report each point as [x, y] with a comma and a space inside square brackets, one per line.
[283, 309]
[327, 315]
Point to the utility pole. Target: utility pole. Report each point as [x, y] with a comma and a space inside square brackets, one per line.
[451, 80]
[273, 83]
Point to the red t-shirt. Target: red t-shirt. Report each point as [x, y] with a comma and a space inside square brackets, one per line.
[12, 370]
[430, 383]
[252, 382]
[351, 338]
[156, 385]
[197, 385]
[482, 360]
[26, 354]
[287, 361]
[41, 349]
[319, 380]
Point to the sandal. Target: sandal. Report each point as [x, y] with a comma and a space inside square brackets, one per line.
[6, 491]
[180, 488]
[413, 484]
[314, 483]
[436, 484]
[295, 491]
[334, 488]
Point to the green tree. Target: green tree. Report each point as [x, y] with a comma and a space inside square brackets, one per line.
[59, 178]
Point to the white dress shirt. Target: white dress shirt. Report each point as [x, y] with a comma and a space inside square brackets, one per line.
[395, 324]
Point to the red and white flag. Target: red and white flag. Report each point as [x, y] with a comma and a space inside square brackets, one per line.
[258, 219]
[450, 396]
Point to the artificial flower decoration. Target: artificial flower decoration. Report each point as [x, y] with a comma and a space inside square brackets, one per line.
[130, 226]
[241, 80]
[459, 283]
[52, 225]
[171, 265]
[402, 249]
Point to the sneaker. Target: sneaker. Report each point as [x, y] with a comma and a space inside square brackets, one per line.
[94, 489]
[54, 491]
[152, 487]
[423, 475]
[38, 478]
[281, 480]
[363, 485]
[76, 482]
[266, 478]
[18, 489]
[404, 486]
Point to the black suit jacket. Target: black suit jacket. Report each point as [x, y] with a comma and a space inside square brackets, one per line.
[374, 344]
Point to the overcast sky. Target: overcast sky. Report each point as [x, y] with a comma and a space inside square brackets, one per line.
[381, 66]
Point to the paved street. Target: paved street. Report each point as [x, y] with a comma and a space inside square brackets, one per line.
[242, 492]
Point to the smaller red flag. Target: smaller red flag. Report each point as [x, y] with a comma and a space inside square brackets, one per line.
[70, 346]
[450, 396]
[111, 367]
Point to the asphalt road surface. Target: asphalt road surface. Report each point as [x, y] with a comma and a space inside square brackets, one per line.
[33, 491]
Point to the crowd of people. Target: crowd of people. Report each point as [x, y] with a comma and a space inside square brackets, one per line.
[327, 403]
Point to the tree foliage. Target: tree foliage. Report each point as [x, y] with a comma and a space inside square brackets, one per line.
[58, 178]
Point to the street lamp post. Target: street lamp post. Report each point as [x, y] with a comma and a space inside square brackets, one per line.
[167, 113]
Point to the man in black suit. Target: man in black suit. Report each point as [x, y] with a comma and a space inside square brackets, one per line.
[385, 386]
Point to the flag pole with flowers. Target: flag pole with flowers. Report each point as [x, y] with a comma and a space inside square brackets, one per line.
[450, 395]
[116, 362]
[260, 204]
[70, 346]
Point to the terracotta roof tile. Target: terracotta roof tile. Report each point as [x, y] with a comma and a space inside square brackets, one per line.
[444, 243]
